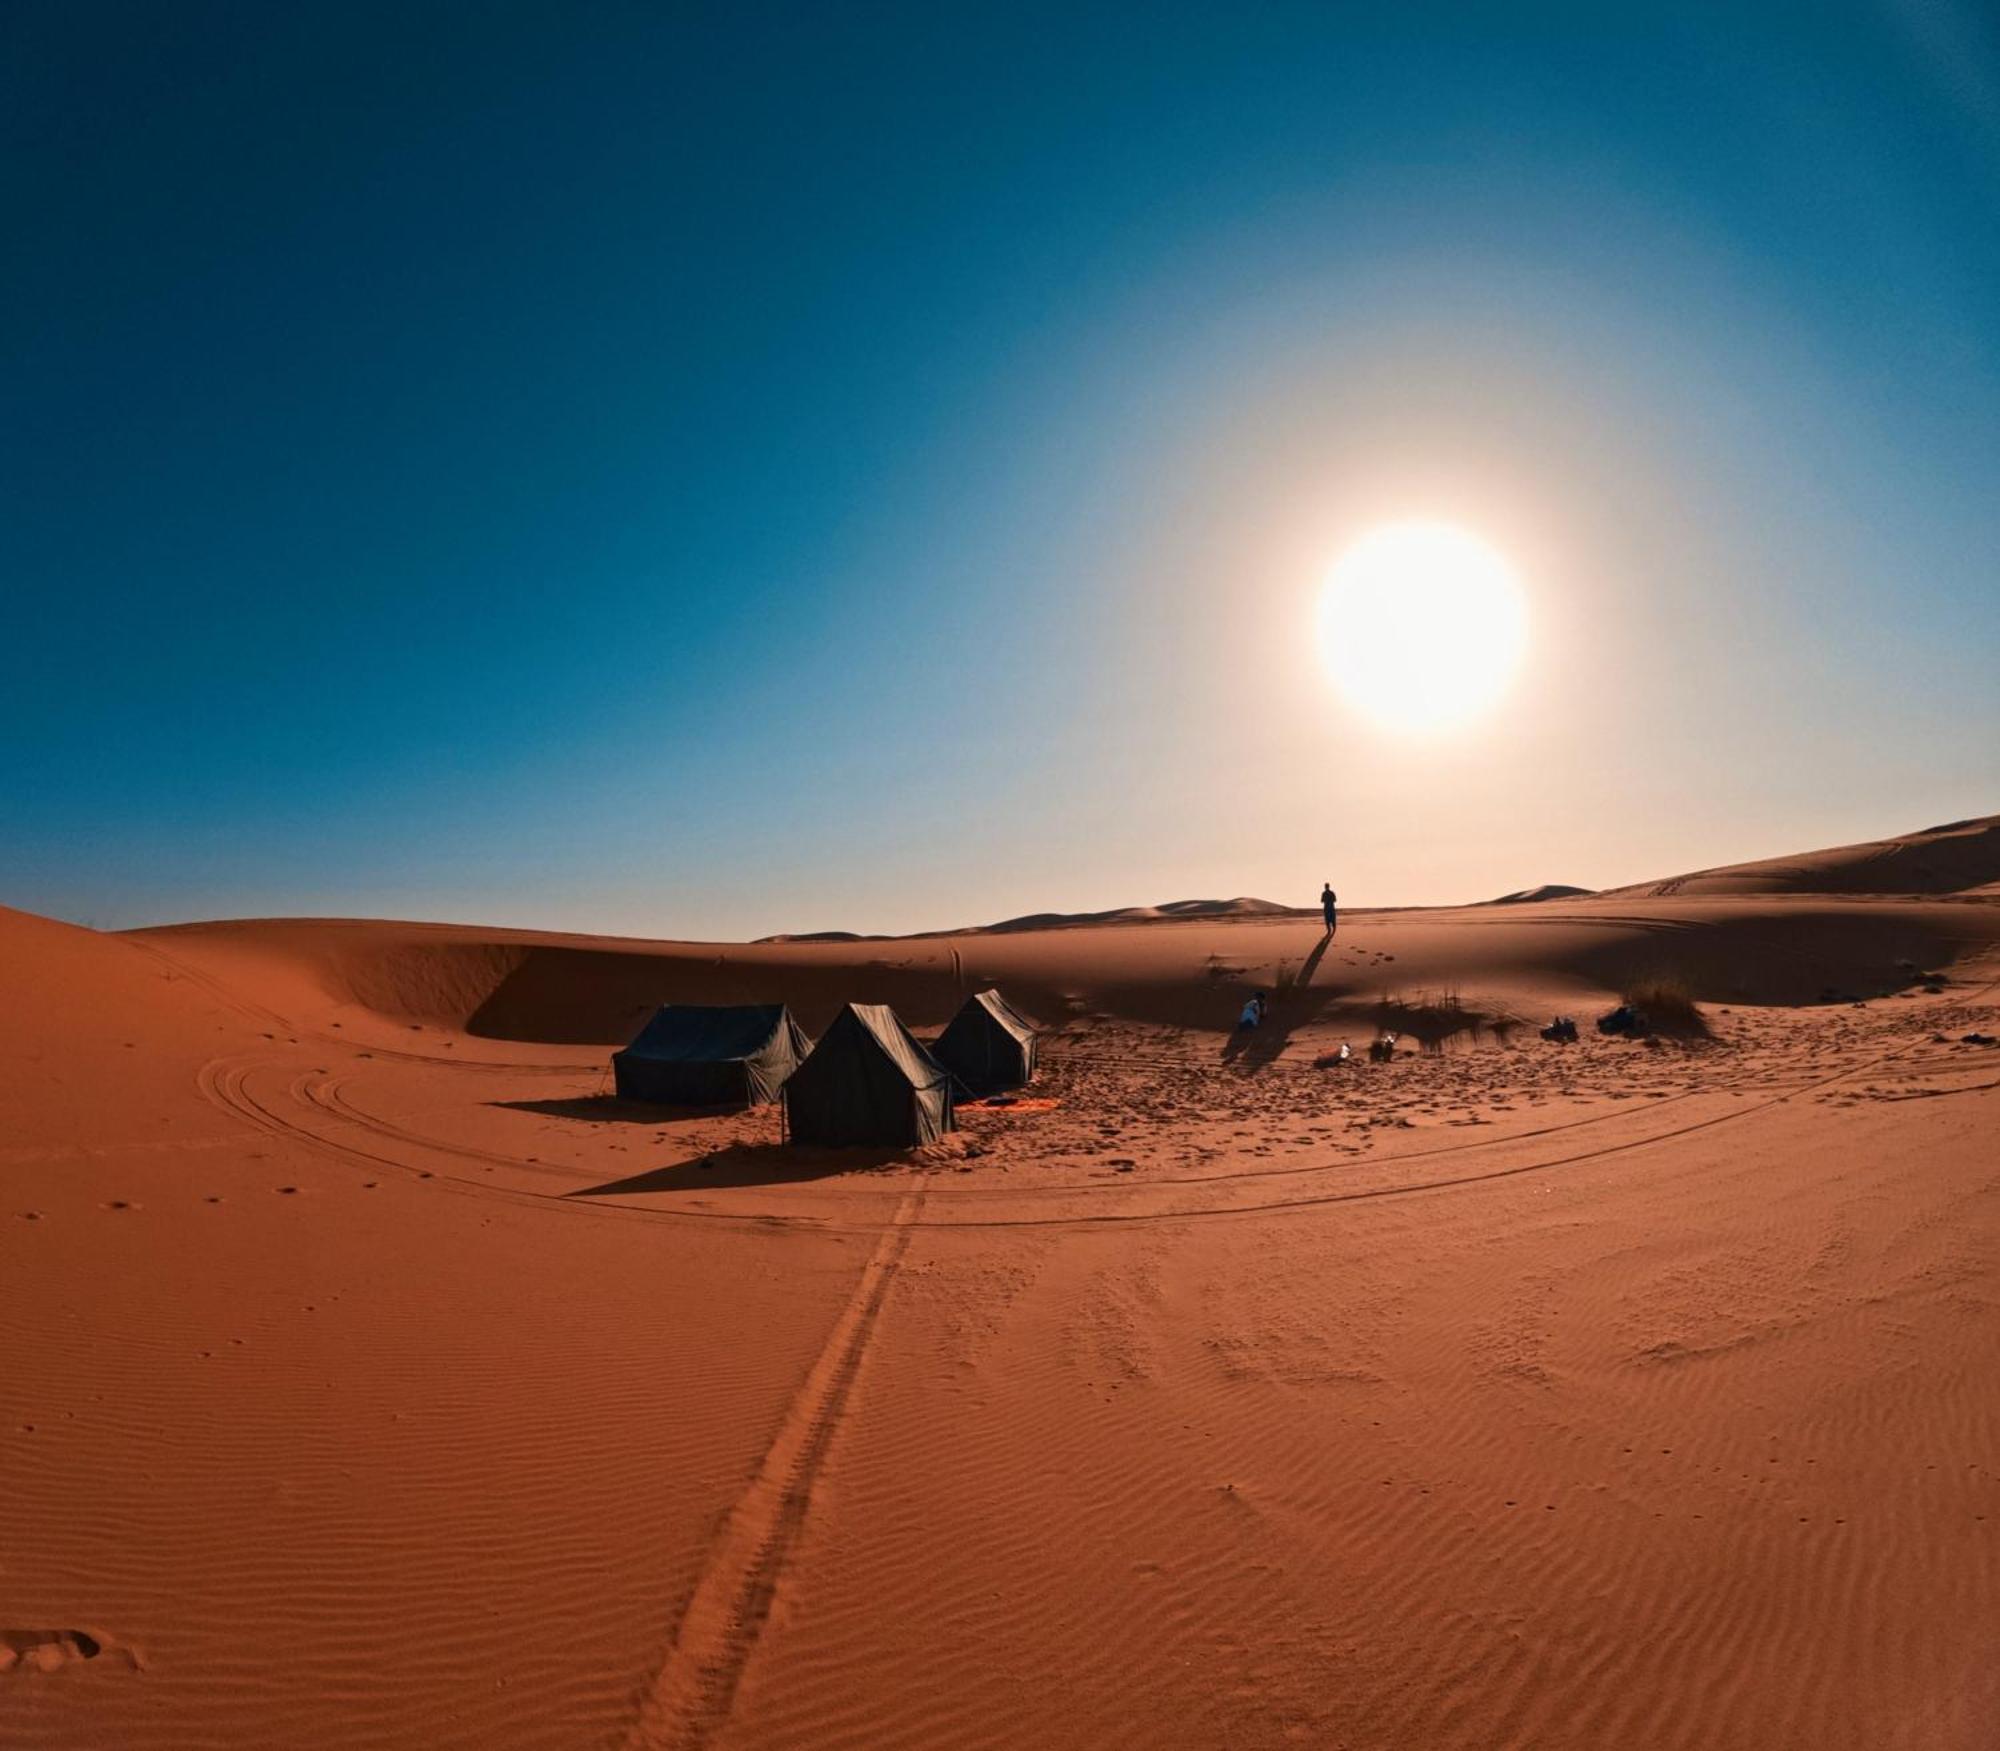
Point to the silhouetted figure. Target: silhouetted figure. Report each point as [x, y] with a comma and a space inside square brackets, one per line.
[1253, 1012]
[1329, 905]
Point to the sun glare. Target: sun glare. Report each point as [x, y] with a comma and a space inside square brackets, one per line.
[1422, 626]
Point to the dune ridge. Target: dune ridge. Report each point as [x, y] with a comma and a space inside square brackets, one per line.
[529, 988]
[1783, 931]
[1544, 891]
[1953, 858]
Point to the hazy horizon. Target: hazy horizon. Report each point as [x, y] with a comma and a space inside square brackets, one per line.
[1307, 904]
[715, 477]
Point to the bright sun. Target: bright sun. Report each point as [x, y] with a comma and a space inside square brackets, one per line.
[1422, 625]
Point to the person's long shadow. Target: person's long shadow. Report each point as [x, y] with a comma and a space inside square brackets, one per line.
[1293, 1004]
[610, 1109]
[1310, 965]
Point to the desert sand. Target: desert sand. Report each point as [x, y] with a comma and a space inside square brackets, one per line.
[373, 1379]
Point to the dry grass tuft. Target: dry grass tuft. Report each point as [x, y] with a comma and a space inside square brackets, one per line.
[1667, 1004]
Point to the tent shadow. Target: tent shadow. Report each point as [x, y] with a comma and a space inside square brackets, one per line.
[609, 1109]
[749, 1164]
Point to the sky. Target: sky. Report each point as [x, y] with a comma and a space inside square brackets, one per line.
[709, 472]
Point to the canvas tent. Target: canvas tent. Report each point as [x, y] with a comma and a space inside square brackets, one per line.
[710, 1055]
[868, 1081]
[988, 1046]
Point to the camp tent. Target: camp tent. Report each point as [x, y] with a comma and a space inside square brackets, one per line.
[868, 1081]
[988, 1046]
[709, 1055]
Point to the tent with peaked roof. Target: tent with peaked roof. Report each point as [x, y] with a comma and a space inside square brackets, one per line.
[868, 1081]
[989, 1045]
[711, 1055]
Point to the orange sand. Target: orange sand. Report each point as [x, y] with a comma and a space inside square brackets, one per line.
[372, 1380]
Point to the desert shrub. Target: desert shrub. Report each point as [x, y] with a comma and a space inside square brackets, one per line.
[1433, 1017]
[1666, 1003]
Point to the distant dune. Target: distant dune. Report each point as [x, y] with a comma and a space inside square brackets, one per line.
[1951, 859]
[1954, 858]
[1242, 907]
[1547, 891]
[1728, 936]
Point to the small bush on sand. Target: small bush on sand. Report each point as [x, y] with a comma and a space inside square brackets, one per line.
[1434, 1017]
[1666, 1003]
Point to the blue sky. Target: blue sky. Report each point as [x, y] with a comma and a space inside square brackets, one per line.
[619, 468]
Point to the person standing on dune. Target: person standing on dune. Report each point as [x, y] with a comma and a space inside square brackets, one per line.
[1329, 905]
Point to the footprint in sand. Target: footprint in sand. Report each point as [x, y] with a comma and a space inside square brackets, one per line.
[50, 1650]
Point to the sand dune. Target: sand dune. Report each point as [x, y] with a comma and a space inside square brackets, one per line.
[1242, 907]
[1950, 859]
[1545, 891]
[527, 987]
[374, 1379]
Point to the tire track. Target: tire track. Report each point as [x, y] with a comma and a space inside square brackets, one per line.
[695, 1689]
[330, 1097]
[225, 1082]
[179, 969]
[1367, 1193]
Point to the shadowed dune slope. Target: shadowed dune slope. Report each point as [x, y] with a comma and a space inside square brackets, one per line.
[382, 979]
[1787, 931]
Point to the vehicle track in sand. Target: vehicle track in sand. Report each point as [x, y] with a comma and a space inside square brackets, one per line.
[324, 1094]
[225, 1083]
[320, 1098]
[691, 1696]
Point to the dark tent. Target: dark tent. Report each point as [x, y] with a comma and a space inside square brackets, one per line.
[868, 1081]
[711, 1055]
[989, 1045]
